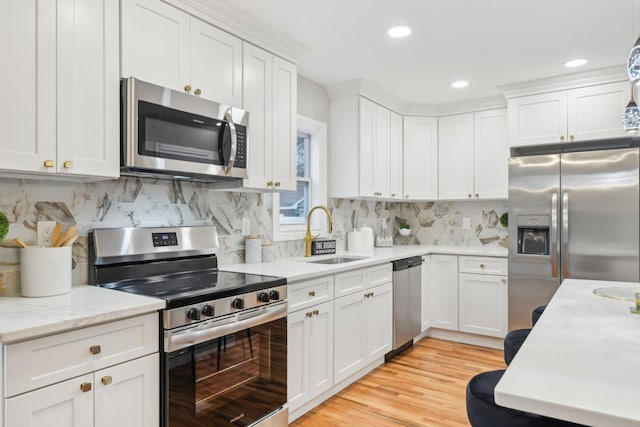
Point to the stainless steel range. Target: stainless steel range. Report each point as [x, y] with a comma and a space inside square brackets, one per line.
[224, 335]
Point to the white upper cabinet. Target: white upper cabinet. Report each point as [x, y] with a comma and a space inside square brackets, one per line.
[473, 156]
[420, 166]
[59, 110]
[270, 96]
[363, 135]
[167, 47]
[581, 114]
[396, 157]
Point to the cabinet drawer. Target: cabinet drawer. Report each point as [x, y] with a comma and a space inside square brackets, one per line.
[311, 292]
[380, 274]
[482, 265]
[350, 282]
[43, 361]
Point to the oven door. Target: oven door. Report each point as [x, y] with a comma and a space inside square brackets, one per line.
[235, 379]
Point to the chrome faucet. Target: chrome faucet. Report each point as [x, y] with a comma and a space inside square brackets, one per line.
[308, 238]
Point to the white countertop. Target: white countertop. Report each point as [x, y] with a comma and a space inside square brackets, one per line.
[581, 362]
[299, 268]
[24, 318]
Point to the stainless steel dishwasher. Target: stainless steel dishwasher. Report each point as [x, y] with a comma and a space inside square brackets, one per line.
[407, 310]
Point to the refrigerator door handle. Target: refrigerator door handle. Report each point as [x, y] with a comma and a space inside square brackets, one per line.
[554, 235]
[564, 250]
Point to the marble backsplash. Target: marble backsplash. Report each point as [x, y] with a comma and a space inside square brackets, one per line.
[134, 202]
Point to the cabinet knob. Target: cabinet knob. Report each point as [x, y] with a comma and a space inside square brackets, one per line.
[312, 293]
[309, 314]
[85, 387]
[48, 163]
[562, 138]
[477, 195]
[197, 92]
[106, 380]
[407, 196]
[95, 349]
[503, 280]
[270, 184]
[481, 265]
[277, 184]
[393, 194]
[68, 164]
[469, 195]
[316, 312]
[571, 137]
[187, 88]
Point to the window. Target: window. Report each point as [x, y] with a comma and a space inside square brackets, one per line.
[294, 205]
[291, 208]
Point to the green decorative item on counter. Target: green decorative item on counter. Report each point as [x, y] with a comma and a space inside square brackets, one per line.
[4, 226]
[504, 220]
[405, 226]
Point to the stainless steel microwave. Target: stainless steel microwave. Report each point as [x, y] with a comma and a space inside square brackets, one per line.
[171, 134]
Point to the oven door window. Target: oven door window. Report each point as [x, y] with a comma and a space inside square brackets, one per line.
[233, 380]
[171, 134]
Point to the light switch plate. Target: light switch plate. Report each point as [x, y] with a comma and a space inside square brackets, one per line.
[246, 226]
[466, 223]
[43, 232]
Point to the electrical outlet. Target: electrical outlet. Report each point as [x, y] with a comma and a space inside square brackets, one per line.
[246, 226]
[466, 223]
[44, 230]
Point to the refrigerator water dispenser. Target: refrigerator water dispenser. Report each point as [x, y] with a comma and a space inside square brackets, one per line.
[533, 234]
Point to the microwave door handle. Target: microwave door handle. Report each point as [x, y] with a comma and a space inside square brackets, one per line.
[554, 235]
[234, 141]
[564, 250]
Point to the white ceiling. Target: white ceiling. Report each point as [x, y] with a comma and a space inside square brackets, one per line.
[487, 42]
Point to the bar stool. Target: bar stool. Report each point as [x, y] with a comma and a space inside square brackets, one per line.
[482, 410]
[512, 343]
[536, 313]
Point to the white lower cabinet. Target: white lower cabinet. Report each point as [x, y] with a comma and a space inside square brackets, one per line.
[310, 353]
[86, 377]
[444, 292]
[482, 304]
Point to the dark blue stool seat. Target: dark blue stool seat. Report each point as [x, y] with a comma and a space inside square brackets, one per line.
[536, 313]
[482, 410]
[512, 343]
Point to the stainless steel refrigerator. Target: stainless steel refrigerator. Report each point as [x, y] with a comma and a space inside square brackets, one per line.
[571, 215]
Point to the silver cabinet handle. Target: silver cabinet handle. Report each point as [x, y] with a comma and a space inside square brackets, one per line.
[554, 235]
[565, 236]
[234, 141]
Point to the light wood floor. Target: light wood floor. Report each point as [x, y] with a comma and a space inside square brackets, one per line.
[424, 386]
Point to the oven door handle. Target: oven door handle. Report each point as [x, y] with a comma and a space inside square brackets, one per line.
[187, 337]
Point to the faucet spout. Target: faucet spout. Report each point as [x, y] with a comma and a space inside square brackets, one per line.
[308, 238]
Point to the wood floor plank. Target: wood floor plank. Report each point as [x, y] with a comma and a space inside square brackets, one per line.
[424, 386]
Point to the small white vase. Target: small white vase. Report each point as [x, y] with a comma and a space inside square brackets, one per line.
[404, 231]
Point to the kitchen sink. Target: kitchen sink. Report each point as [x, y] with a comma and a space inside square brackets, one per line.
[336, 260]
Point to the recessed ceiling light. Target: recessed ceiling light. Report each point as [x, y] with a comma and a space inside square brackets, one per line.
[575, 63]
[460, 84]
[399, 32]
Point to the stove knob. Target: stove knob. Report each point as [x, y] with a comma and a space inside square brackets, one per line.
[207, 310]
[193, 314]
[238, 303]
[274, 295]
[263, 297]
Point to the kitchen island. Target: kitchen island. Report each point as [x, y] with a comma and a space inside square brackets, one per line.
[581, 362]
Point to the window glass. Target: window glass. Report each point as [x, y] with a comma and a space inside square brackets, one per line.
[294, 205]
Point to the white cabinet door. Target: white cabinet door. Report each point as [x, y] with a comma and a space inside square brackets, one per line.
[491, 155]
[63, 404]
[420, 158]
[594, 112]
[381, 152]
[349, 338]
[128, 395]
[366, 152]
[257, 94]
[88, 88]
[28, 107]
[538, 119]
[483, 304]
[455, 157]
[395, 157]
[378, 321]
[444, 292]
[426, 292]
[285, 107]
[216, 64]
[320, 335]
[155, 43]
[297, 359]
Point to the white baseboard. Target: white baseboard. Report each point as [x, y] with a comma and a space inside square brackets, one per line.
[463, 337]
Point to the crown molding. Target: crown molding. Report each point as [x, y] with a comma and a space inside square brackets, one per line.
[232, 20]
[361, 87]
[568, 81]
[472, 105]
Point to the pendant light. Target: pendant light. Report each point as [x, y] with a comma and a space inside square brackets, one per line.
[633, 63]
[631, 115]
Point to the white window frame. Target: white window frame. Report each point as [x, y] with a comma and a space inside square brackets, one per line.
[318, 174]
